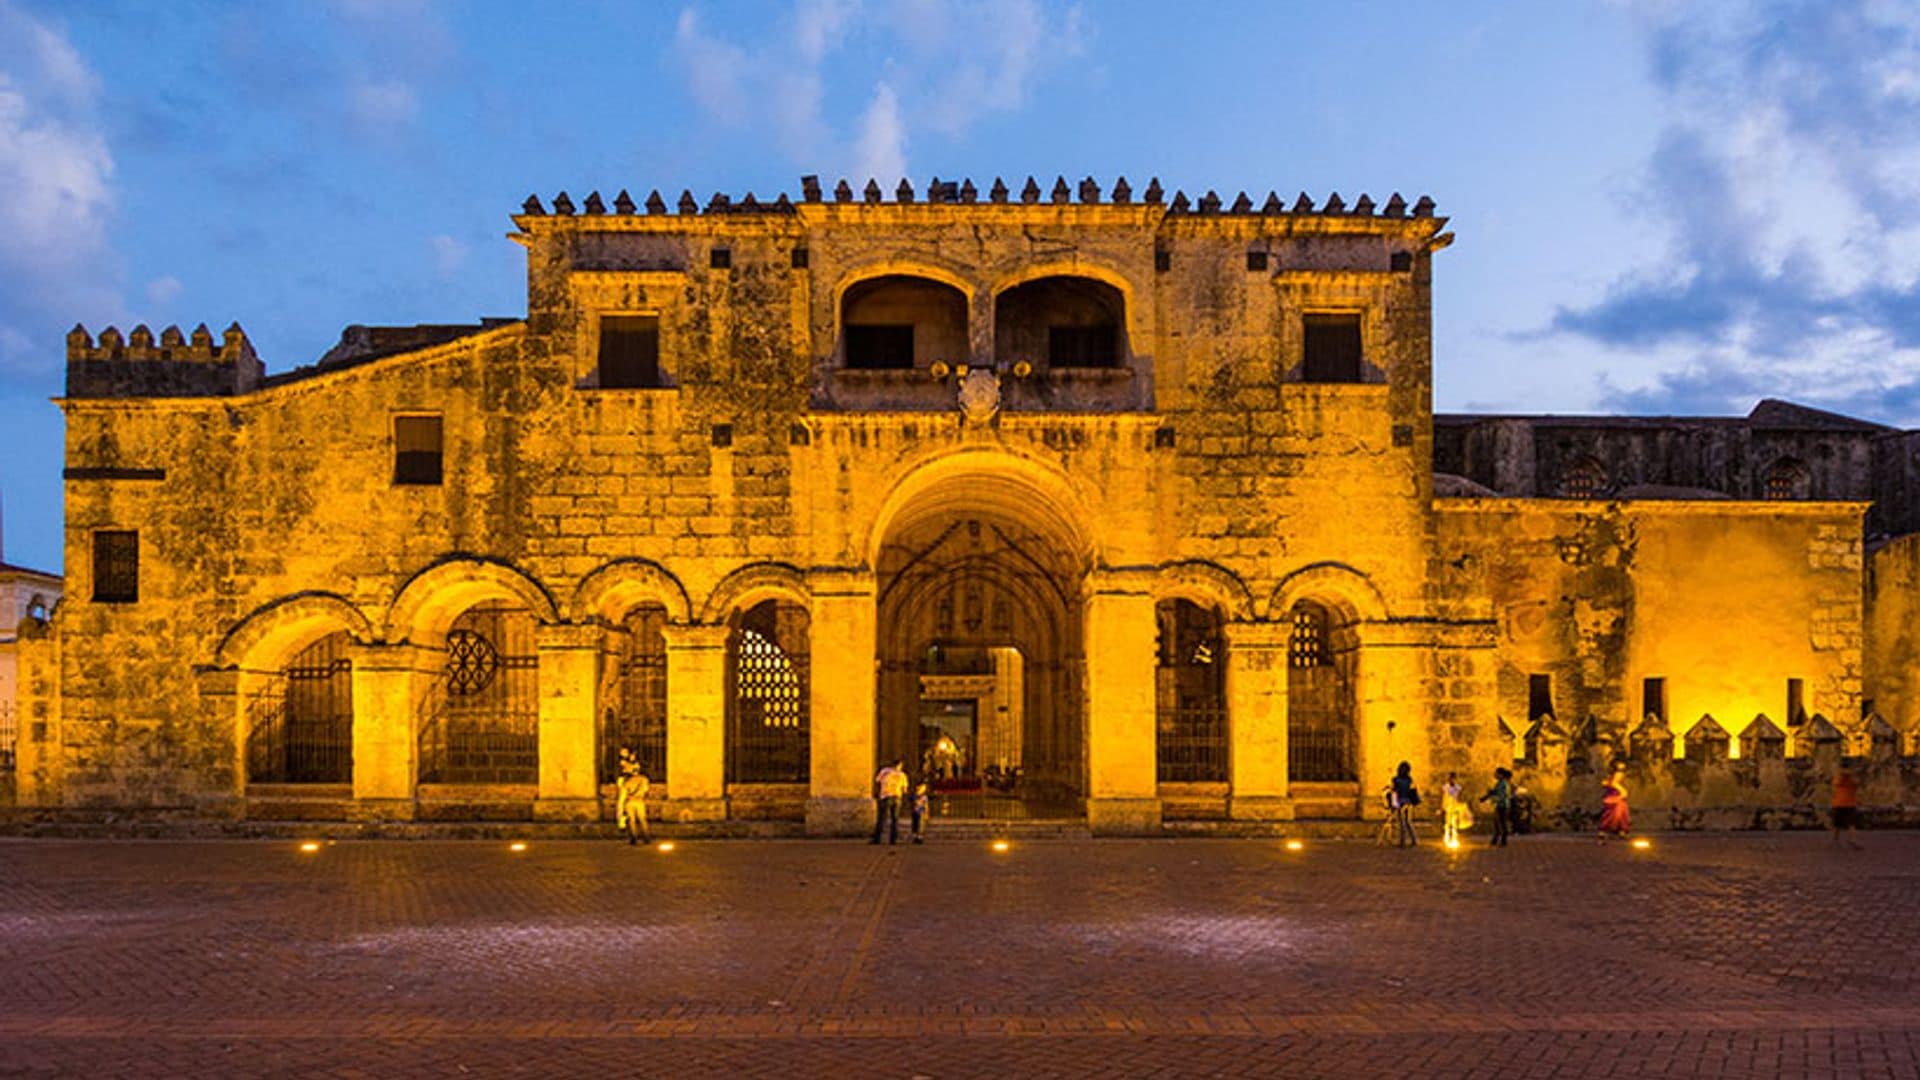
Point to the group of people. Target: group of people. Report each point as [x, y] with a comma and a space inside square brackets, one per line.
[890, 787]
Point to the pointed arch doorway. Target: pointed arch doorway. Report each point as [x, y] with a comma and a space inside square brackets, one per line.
[980, 656]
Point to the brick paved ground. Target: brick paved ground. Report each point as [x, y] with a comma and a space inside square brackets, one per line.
[1753, 955]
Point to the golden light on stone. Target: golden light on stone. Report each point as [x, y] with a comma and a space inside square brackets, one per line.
[1002, 847]
[1296, 845]
[664, 846]
[517, 845]
[1642, 844]
[310, 847]
[1452, 843]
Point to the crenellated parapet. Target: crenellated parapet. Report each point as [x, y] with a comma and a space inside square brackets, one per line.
[173, 365]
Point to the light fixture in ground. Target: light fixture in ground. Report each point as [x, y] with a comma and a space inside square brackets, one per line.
[517, 845]
[1296, 845]
[310, 847]
[1002, 846]
[1642, 843]
[663, 846]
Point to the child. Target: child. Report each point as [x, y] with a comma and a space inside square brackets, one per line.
[920, 812]
[1453, 812]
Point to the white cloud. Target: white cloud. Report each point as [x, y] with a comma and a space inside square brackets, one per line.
[960, 62]
[882, 149]
[56, 262]
[380, 105]
[449, 254]
[163, 291]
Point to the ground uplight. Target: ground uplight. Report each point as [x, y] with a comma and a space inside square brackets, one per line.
[310, 847]
[664, 846]
[517, 845]
[1002, 846]
[1642, 843]
[1296, 845]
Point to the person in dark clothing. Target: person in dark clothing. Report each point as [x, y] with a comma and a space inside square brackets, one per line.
[1501, 796]
[1404, 797]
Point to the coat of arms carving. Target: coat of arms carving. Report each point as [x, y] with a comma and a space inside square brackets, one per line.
[980, 394]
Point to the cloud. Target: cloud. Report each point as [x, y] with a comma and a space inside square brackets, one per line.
[163, 291]
[382, 104]
[882, 149]
[56, 170]
[957, 64]
[1787, 178]
[449, 255]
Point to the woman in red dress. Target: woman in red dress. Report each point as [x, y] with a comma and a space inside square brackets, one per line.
[1615, 818]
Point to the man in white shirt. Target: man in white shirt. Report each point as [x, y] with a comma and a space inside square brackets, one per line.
[890, 785]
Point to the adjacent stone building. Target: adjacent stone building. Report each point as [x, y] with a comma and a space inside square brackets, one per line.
[1082, 502]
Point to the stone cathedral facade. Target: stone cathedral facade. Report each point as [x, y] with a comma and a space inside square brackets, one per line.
[1085, 503]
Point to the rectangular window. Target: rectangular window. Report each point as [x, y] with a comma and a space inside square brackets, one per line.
[877, 345]
[116, 566]
[416, 450]
[1332, 349]
[1796, 701]
[1083, 346]
[1539, 696]
[1653, 698]
[629, 352]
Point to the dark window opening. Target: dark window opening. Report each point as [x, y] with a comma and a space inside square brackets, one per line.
[1539, 696]
[799, 261]
[880, 346]
[116, 566]
[1401, 262]
[1653, 698]
[630, 352]
[1256, 260]
[1163, 260]
[1786, 480]
[416, 450]
[1796, 701]
[720, 259]
[1585, 479]
[1332, 349]
[1083, 346]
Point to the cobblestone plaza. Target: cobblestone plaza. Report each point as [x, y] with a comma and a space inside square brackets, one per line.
[1706, 955]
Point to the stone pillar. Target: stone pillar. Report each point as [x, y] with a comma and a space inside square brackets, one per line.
[39, 749]
[1122, 782]
[386, 684]
[569, 687]
[1390, 712]
[1257, 721]
[223, 694]
[696, 723]
[841, 706]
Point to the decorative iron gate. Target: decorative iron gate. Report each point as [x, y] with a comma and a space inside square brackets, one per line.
[1319, 700]
[300, 724]
[638, 718]
[767, 710]
[480, 722]
[1190, 695]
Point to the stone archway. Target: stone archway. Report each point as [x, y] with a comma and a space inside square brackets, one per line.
[979, 650]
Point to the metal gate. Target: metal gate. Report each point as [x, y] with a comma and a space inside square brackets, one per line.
[1190, 695]
[1319, 700]
[480, 722]
[638, 717]
[767, 708]
[300, 723]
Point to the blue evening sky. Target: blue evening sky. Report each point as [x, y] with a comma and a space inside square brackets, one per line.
[1661, 207]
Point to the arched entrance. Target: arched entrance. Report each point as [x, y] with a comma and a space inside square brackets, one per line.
[979, 650]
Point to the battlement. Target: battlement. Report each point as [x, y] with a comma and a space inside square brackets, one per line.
[174, 365]
[965, 193]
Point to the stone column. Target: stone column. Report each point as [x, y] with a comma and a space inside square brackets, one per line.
[1257, 721]
[386, 684]
[696, 723]
[1390, 712]
[1123, 788]
[569, 687]
[841, 706]
[223, 696]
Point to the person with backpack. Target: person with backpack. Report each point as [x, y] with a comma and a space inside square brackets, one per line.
[1403, 797]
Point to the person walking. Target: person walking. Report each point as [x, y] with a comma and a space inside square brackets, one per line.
[1404, 797]
[630, 799]
[920, 812]
[1616, 818]
[890, 783]
[1501, 796]
[1844, 808]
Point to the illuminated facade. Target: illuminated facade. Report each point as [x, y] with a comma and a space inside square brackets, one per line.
[1081, 502]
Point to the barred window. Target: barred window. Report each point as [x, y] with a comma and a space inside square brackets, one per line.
[116, 566]
[1786, 479]
[1584, 479]
[416, 450]
[1308, 646]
